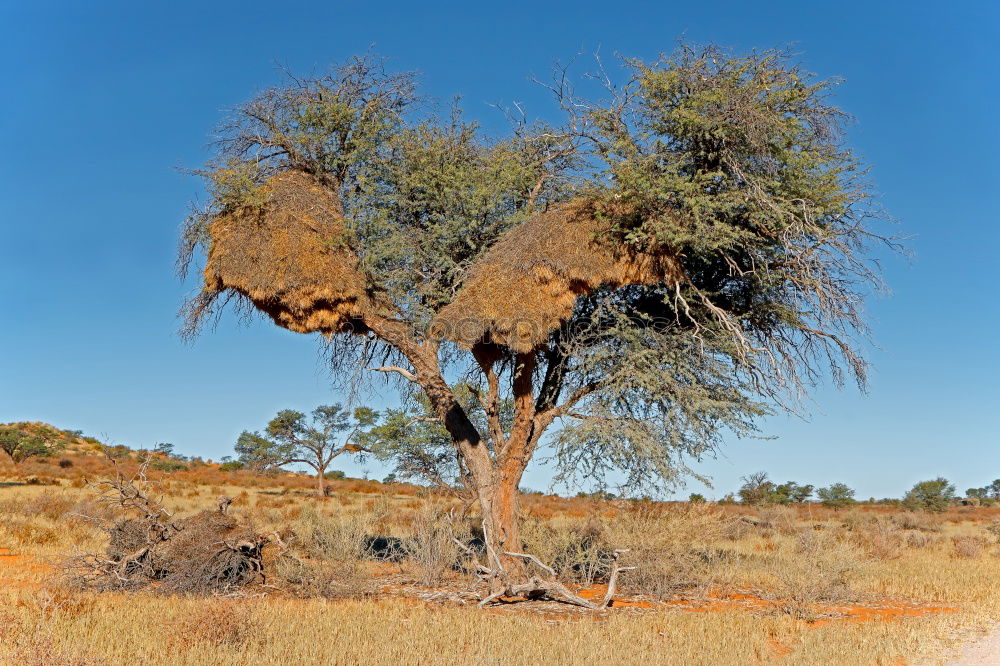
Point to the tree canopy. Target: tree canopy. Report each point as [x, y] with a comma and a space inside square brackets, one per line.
[21, 445]
[292, 437]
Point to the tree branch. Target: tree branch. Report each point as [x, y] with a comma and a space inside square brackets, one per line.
[402, 371]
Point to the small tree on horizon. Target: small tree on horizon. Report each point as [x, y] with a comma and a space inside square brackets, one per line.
[757, 489]
[293, 438]
[933, 496]
[837, 495]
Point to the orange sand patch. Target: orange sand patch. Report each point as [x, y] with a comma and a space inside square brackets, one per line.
[597, 593]
[14, 569]
[717, 602]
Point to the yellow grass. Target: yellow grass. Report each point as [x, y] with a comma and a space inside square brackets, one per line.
[44, 622]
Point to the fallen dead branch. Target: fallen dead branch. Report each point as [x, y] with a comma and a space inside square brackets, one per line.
[209, 552]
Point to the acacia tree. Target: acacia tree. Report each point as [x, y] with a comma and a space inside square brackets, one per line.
[685, 254]
[21, 445]
[316, 441]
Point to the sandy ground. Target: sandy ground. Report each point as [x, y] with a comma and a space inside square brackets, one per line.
[981, 652]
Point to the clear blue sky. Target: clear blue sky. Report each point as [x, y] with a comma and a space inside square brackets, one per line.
[102, 100]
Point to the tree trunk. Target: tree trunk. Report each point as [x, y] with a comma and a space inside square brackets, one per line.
[320, 486]
[506, 532]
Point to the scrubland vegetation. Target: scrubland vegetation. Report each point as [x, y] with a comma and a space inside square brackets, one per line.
[375, 572]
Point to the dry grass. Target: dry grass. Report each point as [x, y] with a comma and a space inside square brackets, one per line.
[766, 583]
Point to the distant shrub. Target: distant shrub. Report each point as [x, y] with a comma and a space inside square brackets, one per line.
[933, 496]
[168, 465]
[117, 452]
[696, 498]
[837, 495]
[968, 546]
[335, 475]
[231, 466]
[65, 463]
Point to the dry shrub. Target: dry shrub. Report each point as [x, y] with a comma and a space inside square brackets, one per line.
[968, 547]
[41, 650]
[921, 522]
[578, 550]
[822, 570]
[218, 624]
[325, 579]
[672, 547]
[31, 532]
[880, 539]
[334, 547]
[994, 529]
[781, 519]
[430, 547]
[736, 529]
[921, 539]
[47, 504]
[212, 552]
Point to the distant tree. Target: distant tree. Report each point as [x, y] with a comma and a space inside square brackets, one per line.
[419, 445]
[756, 490]
[164, 448]
[292, 438]
[837, 495]
[978, 493]
[231, 466]
[791, 493]
[935, 495]
[116, 451]
[696, 498]
[994, 489]
[21, 445]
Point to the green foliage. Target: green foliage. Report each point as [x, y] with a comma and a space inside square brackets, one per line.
[758, 490]
[837, 495]
[168, 465]
[335, 475]
[738, 164]
[232, 466]
[260, 453]
[21, 445]
[989, 492]
[117, 452]
[696, 498]
[792, 493]
[934, 496]
[293, 438]
[413, 439]
[164, 448]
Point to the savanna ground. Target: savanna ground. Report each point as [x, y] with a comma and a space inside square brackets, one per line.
[713, 584]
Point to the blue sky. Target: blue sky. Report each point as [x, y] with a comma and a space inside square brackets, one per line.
[102, 101]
